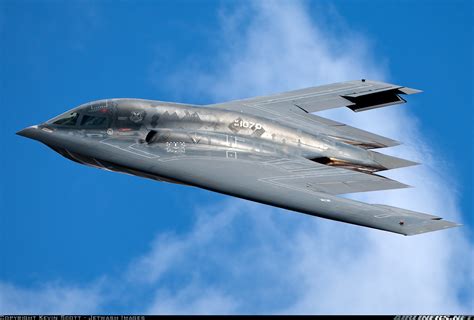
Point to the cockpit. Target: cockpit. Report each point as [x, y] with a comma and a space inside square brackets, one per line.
[91, 116]
[69, 119]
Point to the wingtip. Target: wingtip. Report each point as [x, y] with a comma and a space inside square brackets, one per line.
[407, 90]
[432, 225]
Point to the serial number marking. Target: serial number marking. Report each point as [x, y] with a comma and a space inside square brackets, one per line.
[247, 124]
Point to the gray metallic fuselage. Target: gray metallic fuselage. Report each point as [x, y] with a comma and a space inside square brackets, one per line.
[153, 129]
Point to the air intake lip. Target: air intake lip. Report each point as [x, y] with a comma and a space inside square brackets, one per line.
[151, 136]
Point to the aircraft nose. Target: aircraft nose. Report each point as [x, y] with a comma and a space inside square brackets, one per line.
[30, 132]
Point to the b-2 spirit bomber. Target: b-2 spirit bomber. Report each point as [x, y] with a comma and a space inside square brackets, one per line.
[269, 149]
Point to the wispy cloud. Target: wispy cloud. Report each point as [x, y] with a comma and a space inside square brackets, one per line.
[242, 257]
[53, 298]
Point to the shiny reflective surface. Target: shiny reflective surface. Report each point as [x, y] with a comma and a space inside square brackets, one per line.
[266, 149]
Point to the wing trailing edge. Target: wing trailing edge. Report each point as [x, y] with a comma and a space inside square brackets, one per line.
[345, 133]
[390, 162]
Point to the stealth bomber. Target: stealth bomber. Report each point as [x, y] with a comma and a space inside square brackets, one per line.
[270, 149]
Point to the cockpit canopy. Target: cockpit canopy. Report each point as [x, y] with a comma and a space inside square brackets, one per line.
[122, 114]
[90, 116]
[69, 119]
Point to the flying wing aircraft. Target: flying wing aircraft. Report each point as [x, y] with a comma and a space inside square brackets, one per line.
[269, 149]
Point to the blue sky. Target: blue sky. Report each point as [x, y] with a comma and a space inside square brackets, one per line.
[98, 238]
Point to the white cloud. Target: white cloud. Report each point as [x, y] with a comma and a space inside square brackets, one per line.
[53, 298]
[191, 300]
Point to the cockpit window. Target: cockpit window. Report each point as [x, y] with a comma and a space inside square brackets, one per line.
[68, 120]
[93, 121]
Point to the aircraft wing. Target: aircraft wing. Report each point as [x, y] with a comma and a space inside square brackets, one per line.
[357, 95]
[301, 185]
[295, 107]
